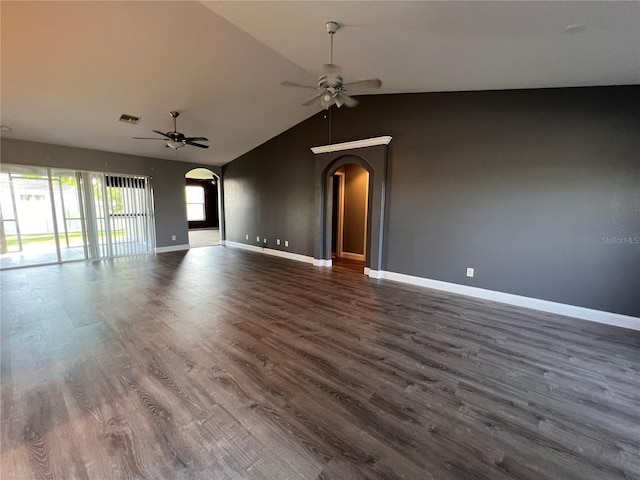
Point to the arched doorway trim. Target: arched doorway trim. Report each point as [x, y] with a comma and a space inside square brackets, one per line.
[216, 173]
[370, 154]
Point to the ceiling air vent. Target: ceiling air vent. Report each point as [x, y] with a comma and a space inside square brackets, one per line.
[129, 118]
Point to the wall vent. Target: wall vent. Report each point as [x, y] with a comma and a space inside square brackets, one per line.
[129, 118]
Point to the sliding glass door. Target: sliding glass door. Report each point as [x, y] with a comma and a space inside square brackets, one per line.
[28, 227]
[52, 216]
[121, 207]
[69, 219]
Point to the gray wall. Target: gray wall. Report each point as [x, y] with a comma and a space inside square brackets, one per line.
[270, 193]
[167, 178]
[535, 189]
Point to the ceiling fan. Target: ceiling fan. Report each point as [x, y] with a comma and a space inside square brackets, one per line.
[331, 87]
[175, 139]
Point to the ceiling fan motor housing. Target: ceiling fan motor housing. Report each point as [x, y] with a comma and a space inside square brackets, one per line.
[331, 80]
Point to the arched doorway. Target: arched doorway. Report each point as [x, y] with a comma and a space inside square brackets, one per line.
[370, 154]
[202, 195]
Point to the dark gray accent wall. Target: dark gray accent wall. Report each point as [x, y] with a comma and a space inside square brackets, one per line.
[538, 190]
[168, 179]
[269, 192]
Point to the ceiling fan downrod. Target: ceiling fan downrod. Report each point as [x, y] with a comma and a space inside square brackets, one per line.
[332, 28]
[174, 115]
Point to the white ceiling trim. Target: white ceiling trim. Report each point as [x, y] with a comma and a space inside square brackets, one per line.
[367, 142]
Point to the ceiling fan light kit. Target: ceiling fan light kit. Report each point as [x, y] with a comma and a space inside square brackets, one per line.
[331, 87]
[175, 145]
[175, 139]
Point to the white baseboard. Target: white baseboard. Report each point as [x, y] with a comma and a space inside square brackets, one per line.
[353, 256]
[319, 262]
[582, 313]
[172, 248]
[270, 251]
[598, 316]
[372, 273]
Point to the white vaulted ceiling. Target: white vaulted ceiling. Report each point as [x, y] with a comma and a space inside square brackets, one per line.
[69, 69]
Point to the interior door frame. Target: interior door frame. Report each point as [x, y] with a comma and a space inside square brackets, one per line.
[342, 253]
[340, 210]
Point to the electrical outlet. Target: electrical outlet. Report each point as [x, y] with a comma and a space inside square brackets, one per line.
[470, 272]
[277, 241]
[246, 237]
[286, 243]
[258, 239]
[173, 237]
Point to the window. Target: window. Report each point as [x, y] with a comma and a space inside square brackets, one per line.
[195, 203]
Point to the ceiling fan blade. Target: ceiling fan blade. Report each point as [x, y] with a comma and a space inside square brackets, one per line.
[194, 144]
[370, 83]
[195, 139]
[149, 138]
[332, 68]
[346, 100]
[287, 83]
[313, 99]
[162, 133]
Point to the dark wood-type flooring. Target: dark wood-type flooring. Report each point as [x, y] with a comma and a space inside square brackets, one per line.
[355, 265]
[226, 364]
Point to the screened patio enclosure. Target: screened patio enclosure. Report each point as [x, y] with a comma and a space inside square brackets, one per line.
[50, 215]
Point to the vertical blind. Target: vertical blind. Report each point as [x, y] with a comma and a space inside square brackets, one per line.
[123, 206]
